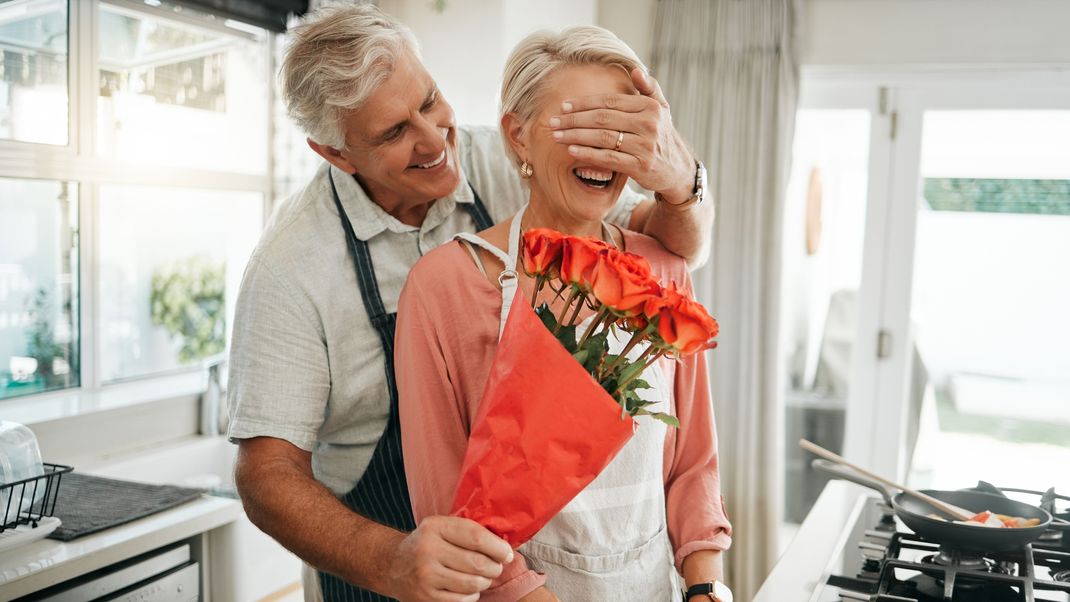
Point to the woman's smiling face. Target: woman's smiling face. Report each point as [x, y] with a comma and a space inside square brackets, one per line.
[576, 191]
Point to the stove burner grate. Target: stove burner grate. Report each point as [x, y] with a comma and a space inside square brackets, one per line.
[903, 567]
[954, 558]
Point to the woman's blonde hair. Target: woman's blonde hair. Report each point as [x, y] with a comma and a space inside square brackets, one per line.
[541, 53]
[338, 56]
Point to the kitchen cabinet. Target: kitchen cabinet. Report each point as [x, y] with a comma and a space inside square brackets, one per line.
[43, 564]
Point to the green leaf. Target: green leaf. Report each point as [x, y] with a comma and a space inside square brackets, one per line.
[581, 357]
[661, 416]
[549, 320]
[596, 348]
[591, 359]
[631, 370]
[638, 384]
[609, 384]
[639, 404]
[597, 343]
[610, 358]
[567, 336]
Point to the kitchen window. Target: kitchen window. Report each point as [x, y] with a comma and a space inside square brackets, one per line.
[39, 342]
[166, 298]
[135, 175]
[167, 86]
[33, 74]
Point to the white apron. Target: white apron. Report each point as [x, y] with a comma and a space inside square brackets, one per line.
[610, 542]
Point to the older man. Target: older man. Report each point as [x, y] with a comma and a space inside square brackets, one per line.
[312, 396]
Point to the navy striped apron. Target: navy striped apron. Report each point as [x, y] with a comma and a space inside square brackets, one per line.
[381, 494]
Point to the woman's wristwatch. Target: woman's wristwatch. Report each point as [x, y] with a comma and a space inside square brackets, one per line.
[714, 591]
[698, 190]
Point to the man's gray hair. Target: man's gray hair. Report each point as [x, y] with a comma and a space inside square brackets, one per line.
[541, 53]
[337, 57]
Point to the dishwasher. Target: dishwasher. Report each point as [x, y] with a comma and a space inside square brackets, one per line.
[164, 575]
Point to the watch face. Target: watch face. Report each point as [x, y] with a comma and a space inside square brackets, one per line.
[700, 181]
[721, 592]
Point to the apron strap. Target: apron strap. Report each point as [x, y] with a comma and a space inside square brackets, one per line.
[480, 242]
[478, 211]
[362, 264]
[508, 277]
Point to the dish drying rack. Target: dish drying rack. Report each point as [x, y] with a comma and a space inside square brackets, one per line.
[27, 517]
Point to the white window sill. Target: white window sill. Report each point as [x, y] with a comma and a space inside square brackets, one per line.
[47, 407]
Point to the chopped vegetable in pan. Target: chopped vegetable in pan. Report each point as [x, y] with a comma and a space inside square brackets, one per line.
[996, 521]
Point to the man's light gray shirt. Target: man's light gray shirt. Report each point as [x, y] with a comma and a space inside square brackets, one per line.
[306, 363]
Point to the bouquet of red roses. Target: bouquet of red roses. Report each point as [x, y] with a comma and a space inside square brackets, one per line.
[544, 430]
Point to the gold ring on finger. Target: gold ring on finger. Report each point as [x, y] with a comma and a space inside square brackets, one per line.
[620, 140]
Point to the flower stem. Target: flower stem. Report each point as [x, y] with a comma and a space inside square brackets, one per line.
[598, 368]
[635, 340]
[539, 281]
[558, 292]
[564, 310]
[598, 318]
[576, 313]
[621, 385]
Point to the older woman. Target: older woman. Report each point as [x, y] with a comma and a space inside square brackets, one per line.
[656, 509]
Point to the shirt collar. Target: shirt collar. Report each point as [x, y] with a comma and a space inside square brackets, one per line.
[369, 219]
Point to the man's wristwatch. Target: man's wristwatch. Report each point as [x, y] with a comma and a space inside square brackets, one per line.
[698, 191]
[714, 591]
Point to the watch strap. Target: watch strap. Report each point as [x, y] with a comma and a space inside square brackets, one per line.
[698, 190]
[699, 589]
[709, 591]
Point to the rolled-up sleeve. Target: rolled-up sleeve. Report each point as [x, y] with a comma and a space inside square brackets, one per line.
[695, 509]
[435, 420]
[279, 380]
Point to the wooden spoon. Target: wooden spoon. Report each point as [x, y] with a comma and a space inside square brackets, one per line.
[951, 509]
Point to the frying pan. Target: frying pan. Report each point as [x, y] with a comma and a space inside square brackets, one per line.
[915, 514]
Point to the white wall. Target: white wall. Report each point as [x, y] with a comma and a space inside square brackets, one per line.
[632, 21]
[897, 32]
[934, 32]
[465, 46]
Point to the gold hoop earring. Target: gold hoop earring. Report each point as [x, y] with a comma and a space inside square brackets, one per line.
[526, 170]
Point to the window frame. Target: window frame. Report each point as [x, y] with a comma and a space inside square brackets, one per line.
[78, 163]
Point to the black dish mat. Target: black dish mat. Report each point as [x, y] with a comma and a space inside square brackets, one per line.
[87, 504]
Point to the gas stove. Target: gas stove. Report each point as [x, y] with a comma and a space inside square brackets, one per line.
[880, 560]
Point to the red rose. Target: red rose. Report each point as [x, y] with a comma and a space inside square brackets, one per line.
[579, 257]
[623, 283]
[683, 324]
[542, 251]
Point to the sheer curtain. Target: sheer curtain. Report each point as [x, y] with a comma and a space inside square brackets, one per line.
[730, 70]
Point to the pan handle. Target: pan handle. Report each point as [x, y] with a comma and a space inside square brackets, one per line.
[840, 471]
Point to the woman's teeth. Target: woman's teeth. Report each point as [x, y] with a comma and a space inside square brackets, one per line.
[593, 177]
[438, 160]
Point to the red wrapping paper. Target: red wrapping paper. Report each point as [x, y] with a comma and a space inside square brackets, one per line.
[544, 430]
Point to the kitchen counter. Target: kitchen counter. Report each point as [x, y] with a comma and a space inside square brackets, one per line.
[47, 562]
[815, 552]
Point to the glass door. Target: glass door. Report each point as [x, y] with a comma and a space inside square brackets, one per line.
[839, 160]
[990, 285]
[927, 281]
